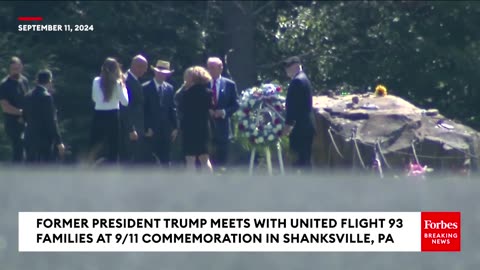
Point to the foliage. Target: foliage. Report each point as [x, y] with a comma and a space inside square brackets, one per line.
[427, 52]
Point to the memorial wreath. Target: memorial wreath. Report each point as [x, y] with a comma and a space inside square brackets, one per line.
[260, 119]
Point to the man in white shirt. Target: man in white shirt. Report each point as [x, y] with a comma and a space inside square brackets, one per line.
[225, 105]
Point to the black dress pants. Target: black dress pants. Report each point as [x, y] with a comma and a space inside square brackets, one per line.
[105, 134]
[14, 130]
[133, 152]
[220, 153]
[39, 150]
[301, 146]
[160, 145]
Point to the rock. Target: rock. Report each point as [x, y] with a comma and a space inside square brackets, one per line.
[431, 112]
[395, 123]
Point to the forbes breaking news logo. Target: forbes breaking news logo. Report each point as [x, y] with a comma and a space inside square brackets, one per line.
[441, 231]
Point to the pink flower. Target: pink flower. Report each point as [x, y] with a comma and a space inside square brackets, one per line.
[416, 169]
[246, 110]
[276, 121]
[279, 89]
[241, 127]
[278, 107]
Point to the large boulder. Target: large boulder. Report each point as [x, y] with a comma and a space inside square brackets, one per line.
[390, 127]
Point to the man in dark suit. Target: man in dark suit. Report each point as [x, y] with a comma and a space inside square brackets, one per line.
[299, 123]
[41, 134]
[132, 126]
[12, 93]
[160, 112]
[225, 101]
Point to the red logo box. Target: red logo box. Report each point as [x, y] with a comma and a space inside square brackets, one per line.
[441, 232]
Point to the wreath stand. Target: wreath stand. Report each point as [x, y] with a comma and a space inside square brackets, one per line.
[268, 158]
[257, 103]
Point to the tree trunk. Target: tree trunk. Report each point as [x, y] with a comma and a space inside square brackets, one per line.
[240, 36]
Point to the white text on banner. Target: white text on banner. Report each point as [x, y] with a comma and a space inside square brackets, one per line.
[220, 231]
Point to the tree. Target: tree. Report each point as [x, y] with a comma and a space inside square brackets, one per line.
[423, 51]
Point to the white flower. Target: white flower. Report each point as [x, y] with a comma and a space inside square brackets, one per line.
[245, 123]
[279, 127]
[253, 126]
[252, 102]
[240, 114]
[269, 86]
[247, 134]
[268, 126]
[260, 140]
[271, 137]
[255, 133]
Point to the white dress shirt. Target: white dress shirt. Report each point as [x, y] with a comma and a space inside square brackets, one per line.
[157, 85]
[119, 95]
[217, 85]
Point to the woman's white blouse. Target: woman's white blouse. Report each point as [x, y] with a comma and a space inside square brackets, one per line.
[119, 95]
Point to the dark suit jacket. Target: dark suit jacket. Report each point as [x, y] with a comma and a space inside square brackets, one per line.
[160, 109]
[299, 105]
[228, 101]
[41, 117]
[14, 92]
[132, 116]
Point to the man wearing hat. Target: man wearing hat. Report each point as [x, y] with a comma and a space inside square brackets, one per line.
[299, 123]
[160, 112]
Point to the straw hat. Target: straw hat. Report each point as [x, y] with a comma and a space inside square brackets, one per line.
[162, 67]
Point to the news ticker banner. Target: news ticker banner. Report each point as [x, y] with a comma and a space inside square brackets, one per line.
[239, 232]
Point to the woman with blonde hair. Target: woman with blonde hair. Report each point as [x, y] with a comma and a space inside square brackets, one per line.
[194, 104]
[108, 91]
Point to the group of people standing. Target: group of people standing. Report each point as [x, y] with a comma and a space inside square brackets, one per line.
[136, 123]
[30, 116]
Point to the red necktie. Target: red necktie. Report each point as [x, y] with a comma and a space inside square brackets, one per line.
[214, 89]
